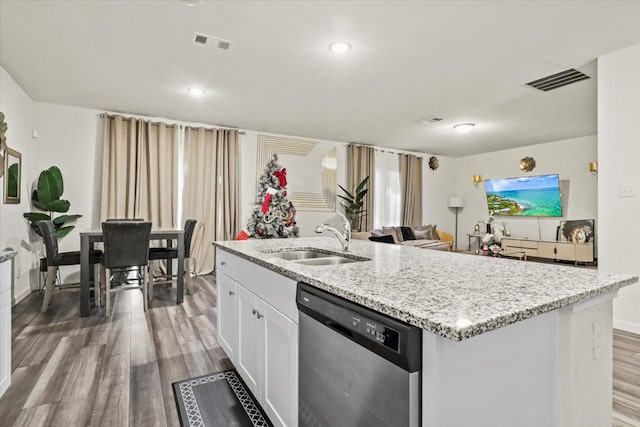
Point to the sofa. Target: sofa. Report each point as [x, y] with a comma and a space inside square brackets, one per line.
[425, 236]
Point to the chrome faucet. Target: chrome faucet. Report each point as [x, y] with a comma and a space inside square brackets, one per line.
[344, 237]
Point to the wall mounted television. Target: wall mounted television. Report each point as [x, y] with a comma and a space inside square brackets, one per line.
[524, 196]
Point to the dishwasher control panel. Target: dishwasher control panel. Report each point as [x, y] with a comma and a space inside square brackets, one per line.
[376, 331]
[352, 322]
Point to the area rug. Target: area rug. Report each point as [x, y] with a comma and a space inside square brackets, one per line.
[220, 399]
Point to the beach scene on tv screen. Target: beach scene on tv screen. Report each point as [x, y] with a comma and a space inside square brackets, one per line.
[524, 196]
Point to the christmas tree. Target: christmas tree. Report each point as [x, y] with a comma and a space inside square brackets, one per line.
[274, 216]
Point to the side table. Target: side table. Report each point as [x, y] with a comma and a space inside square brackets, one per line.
[478, 237]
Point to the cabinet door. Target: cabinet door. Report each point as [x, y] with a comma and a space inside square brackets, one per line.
[584, 252]
[227, 316]
[249, 340]
[5, 340]
[280, 377]
[566, 251]
[547, 250]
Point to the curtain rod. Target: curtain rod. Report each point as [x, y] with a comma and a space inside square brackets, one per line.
[396, 152]
[241, 132]
[383, 150]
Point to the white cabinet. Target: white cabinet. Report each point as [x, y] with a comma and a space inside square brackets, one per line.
[227, 316]
[249, 340]
[5, 325]
[280, 371]
[263, 336]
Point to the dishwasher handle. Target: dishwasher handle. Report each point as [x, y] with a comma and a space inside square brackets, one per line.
[339, 328]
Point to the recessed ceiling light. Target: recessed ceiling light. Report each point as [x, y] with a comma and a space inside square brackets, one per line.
[195, 91]
[193, 2]
[340, 47]
[464, 127]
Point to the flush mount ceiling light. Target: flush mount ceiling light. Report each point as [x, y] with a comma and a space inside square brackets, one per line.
[196, 91]
[464, 127]
[339, 47]
[193, 2]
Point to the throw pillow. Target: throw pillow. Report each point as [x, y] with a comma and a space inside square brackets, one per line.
[377, 232]
[421, 235]
[407, 233]
[434, 233]
[383, 239]
[390, 231]
[362, 235]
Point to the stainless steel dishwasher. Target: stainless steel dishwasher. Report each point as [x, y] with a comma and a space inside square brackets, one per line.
[357, 367]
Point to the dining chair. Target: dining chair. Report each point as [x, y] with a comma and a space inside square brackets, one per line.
[55, 259]
[126, 244]
[121, 276]
[170, 253]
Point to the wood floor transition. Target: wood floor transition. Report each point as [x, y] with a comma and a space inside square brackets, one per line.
[117, 371]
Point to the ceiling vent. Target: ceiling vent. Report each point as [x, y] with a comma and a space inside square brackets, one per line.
[557, 80]
[204, 39]
[430, 120]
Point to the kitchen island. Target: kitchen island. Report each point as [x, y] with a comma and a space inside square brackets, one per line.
[504, 342]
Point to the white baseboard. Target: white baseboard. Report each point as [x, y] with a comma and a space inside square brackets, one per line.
[626, 326]
[21, 296]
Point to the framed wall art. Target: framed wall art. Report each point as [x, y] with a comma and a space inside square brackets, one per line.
[577, 231]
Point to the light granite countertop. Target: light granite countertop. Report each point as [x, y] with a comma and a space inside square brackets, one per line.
[454, 295]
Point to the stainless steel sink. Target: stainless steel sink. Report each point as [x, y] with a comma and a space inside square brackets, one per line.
[311, 256]
[301, 255]
[329, 260]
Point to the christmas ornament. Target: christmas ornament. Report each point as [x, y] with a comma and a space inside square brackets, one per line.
[243, 235]
[267, 199]
[260, 232]
[282, 177]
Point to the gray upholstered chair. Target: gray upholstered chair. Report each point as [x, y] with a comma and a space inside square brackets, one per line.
[121, 276]
[126, 244]
[170, 253]
[55, 259]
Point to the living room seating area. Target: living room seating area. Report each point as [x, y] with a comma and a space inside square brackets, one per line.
[424, 236]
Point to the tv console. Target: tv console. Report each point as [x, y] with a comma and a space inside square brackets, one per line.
[558, 251]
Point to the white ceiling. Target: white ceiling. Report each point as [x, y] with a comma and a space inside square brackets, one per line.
[462, 61]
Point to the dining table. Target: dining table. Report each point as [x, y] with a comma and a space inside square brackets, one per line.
[89, 238]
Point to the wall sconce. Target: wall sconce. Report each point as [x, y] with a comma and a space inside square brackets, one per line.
[476, 179]
[593, 168]
[527, 164]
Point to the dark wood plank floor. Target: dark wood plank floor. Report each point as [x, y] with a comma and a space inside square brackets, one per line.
[626, 379]
[117, 371]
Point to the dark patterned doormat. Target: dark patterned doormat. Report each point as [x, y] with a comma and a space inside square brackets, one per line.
[217, 400]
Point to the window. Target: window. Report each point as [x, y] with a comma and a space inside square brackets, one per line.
[387, 196]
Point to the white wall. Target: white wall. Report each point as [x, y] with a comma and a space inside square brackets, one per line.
[19, 116]
[568, 158]
[437, 186]
[71, 139]
[618, 154]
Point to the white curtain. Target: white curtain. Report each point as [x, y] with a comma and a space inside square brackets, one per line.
[139, 170]
[211, 189]
[387, 191]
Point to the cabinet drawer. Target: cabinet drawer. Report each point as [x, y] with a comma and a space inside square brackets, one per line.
[228, 264]
[530, 252]
[531, 244]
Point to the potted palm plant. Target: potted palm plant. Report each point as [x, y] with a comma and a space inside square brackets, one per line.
[353, 203]
[46, 198]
